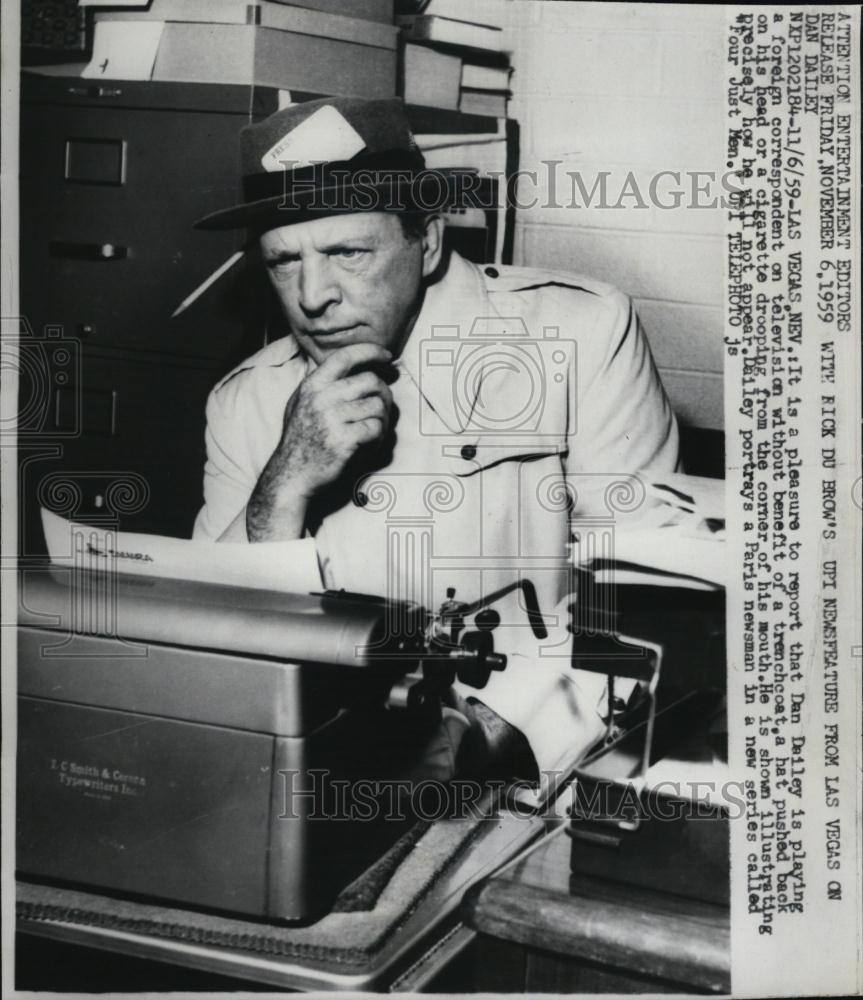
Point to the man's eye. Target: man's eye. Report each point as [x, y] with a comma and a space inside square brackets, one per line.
[348, 253]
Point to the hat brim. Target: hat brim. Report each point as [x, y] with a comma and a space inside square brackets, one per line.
[429, 191]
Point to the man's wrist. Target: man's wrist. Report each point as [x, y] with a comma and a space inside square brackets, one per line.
[275, 511]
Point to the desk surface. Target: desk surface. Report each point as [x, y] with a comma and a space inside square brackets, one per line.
[498, 841]
[535, 902]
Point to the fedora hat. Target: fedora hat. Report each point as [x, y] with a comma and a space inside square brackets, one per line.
[335, 155]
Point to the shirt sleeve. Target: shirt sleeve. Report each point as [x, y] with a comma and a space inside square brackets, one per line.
[228, 482]
[624, 422]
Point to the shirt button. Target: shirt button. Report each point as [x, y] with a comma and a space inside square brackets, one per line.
[492, 272]
[361, 499]
[468, 452]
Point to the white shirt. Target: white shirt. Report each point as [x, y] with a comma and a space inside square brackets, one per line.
[527, 401]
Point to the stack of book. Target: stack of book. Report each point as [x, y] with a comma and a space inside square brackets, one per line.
[455, 56]
[314, 46]
[484, 89]
[430, 78]
[452, 31]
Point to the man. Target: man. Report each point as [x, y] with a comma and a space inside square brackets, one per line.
[424, 415]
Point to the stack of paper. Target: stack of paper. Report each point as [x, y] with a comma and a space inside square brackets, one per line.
[264, 42]
[484, 89]
[484, 85]
[488, 12]
[217, 10]
[679, 541]
[483, 102]
[449, 31]
[481, 151]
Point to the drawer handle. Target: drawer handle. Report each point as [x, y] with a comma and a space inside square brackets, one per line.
[94, 91]
[88, 251]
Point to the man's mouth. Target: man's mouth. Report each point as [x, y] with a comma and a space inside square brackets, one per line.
[332, 331]
[321, 331]
[336, 336]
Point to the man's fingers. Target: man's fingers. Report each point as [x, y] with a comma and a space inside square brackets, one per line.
[369, 406]
[345, 359]
[370, 429]
[359, 385]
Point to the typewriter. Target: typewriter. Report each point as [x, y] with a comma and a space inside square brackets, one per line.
[188, 742]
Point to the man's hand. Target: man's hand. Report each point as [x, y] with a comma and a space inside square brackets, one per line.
[329, 417]
[492, 748]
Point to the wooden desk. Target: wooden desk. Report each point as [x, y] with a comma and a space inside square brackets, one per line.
[542, 929]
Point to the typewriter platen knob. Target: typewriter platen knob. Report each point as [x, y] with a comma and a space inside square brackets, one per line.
[486, 620]
[477, 659]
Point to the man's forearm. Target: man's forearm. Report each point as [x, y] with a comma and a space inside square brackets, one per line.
[275, 512]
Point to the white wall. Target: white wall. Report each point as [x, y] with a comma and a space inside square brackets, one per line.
[620, 87]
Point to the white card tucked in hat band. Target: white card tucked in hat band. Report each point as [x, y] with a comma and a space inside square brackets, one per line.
[324, 137]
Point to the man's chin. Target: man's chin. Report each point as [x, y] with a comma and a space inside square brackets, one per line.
[319, 346]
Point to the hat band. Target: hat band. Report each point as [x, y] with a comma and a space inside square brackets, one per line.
[339, 178]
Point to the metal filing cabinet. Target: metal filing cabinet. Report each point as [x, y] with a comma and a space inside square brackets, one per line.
[113, 390]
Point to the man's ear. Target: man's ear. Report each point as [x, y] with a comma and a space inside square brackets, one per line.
[432, 244]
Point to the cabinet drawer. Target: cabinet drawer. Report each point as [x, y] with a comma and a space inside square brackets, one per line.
[108, 199]
[128, 443]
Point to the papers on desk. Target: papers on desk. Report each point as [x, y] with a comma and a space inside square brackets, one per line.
[696, 494]
[124, 50]
[691, 772]
[291, 567]
[678, 542]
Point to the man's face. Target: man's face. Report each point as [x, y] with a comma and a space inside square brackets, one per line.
[346, 279]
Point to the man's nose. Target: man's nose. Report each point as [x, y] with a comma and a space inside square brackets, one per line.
[318, 287]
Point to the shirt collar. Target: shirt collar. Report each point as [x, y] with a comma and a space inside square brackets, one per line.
[454, 308]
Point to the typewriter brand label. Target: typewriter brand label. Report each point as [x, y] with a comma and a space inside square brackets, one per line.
[98, 780]
[108, 552]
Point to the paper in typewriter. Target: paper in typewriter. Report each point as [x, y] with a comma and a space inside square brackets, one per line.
[291, 566]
